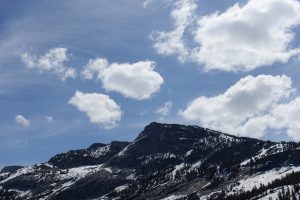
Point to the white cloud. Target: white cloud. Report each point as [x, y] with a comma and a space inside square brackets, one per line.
[20, 119]
[242, 38]
[246, 37]
[49, 119]
[100, 108]
[137, 80]
[287, 116]
[172, 43]
[284, 118]
[94, 67]
[165, 109]
[52, 61]
[244, 108]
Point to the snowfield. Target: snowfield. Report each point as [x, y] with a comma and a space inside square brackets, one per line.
[249, 183]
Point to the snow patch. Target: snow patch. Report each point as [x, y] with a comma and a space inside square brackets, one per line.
[189, 153]
[121, 153]
[177, 168]
[24, 170]
[277, 148]
[79, 172]
[131, 177]
[173, 197]
[247, 184]
[100, 151]
[195, 165]
[121, 188]
[21, 194]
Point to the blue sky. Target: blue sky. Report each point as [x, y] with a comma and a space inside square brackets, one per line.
[158, 66]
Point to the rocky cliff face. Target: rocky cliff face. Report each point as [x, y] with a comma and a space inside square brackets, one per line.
[166, 161]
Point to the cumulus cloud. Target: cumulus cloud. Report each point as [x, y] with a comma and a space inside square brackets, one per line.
[172, 42]
[247, 108]
[136, 80]
[286, 116]
[242, 38]
[100, 108]
[165, 109]
[52, 61]
[20, 119]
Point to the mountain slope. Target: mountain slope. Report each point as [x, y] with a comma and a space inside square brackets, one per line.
[166, 161]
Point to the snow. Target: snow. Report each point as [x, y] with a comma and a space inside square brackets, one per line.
[100, 151]
[121, 153]
[48, 165]
[21, 194]
[207, 184]
[4, 174]
[173, 197]
[131, 177]
[108, 169]
[177, 168]
[24, 170]
[247, 184]
[67, 184]
[79, 172]
[24, 193]
[207, 196]
[195, 165]
[121, 188]
[264, 152]
[227, 137]
[274, 194]
[189, 152]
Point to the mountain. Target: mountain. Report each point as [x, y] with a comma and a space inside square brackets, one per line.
[165, 161]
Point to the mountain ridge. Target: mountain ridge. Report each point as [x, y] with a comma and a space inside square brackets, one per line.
[165, 161]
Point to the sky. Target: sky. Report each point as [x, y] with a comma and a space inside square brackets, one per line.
[73, 73]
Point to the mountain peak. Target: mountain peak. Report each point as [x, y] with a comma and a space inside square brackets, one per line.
[167, 139]
[155, 128]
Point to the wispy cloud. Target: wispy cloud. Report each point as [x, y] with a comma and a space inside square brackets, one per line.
[164, 110]
[49, 119]
[52, 61]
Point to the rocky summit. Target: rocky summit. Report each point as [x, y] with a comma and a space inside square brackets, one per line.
[165, 161]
